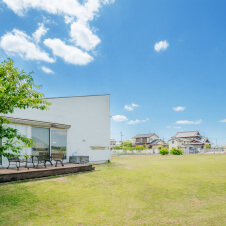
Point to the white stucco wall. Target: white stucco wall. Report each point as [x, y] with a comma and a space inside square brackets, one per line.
[89, 117]
[176, 144]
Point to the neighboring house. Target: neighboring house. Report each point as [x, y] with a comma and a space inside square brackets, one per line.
[155, 144]
[75, 126]
[112, 143]
[151, 140]
[188, 142]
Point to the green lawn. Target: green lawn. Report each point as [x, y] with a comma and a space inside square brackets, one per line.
[146, 190]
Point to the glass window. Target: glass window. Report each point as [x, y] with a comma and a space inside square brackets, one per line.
[40, 136]
[58, 141]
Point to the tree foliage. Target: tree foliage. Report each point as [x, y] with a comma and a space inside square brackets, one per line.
[17, 90]
[127, 143]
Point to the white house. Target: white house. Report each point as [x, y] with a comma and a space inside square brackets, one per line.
[76, 126]
[189, 141]
[151, 140]
[112, 143]
[142, 139]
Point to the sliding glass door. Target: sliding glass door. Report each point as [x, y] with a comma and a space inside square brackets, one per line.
[44, 137]
[58, 141]
[41, 138]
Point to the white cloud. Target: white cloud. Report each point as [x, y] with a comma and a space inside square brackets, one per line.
[68, 53]
[224, 120]
[83, 36]
[119, 118]
[179, 108]
[186, 122]
[72, 10]
[68, 19]
[47, 70]
[133, 122]
[41, 31]
[19, 43]
[135, 105]
[128, 108]
[161, 46]
[84, 12]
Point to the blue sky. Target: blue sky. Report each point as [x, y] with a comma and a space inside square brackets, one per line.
[151, 56]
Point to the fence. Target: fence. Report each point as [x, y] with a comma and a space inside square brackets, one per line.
[213, 151]
[153, 152]
[134, 152]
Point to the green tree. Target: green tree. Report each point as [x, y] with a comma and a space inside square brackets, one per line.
[17, 90]
[207, 146]
[127, 143]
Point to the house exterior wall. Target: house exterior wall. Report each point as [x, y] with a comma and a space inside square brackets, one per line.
[135, 141]
[112, 144]
[174, 144]
[89, 117]
[153, 137]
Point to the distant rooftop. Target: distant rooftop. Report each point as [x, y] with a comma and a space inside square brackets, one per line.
[155, 141]
[143, 135]
[187, 134]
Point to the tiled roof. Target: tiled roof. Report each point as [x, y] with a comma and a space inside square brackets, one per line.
[143, 135]
[197, 140]
[155, 141]
[187, 134]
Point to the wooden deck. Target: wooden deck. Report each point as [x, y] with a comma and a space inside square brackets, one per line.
[12, 174]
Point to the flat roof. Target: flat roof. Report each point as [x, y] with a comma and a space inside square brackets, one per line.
[37, 123]
[76, 96]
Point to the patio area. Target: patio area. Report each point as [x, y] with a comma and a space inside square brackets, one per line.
[12, 174]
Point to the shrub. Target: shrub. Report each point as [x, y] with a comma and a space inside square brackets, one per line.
[117, 148]
[139, 148]
[176, 151]
[207, 146]
[126, 149]
[160, 147]
[163, 151]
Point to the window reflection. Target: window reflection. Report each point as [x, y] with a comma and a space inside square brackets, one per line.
[40, 136]
[58, 141]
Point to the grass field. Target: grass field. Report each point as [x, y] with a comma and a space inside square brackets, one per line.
[146, 190]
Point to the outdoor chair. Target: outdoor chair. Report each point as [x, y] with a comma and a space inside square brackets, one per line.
[57, 157]
[17, 161]
[43, 159]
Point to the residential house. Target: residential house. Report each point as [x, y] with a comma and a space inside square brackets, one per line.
[151, 140]
[188, 142]
[75, 126]
[112, 143]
